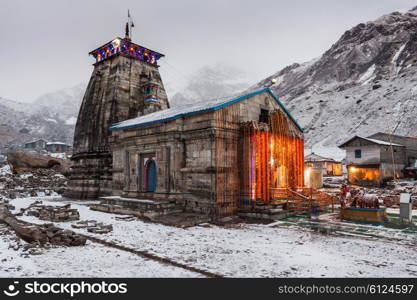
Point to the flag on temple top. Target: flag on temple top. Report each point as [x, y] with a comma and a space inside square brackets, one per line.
[130, 18]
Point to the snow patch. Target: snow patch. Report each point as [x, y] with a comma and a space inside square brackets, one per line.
[58, 155]
[278, 79]
[5, 170]
[368, 75]
[25, 176]
[71, 121]
[326, 151]
[51, 120]
[397, 54]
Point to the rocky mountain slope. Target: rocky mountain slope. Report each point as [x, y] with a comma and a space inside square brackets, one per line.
[365, 83]
[52, 117]
[64, 103]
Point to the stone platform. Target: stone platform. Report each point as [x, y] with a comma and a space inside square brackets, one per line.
[266, 212]
[136, 207]
[377, 216]
[166, 212]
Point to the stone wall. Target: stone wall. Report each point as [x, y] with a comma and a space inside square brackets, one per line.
[183, 153]
[250, 110]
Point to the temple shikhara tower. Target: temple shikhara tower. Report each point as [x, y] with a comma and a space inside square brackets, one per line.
[125, 84]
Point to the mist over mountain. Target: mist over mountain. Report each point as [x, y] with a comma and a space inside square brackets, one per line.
[64, 103]
[211, 82]
[51, 116]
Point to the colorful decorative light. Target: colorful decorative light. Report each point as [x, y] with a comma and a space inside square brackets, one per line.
[126, 47]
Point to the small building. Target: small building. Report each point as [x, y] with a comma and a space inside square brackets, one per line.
[329, 166]
[36, 145]
[371, 162]
[57, 147]
[210, 156]
[409, 142]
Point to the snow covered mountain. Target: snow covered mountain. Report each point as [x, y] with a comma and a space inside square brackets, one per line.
[365, 83]
[51, 116]
[211, 82]
[64, 103]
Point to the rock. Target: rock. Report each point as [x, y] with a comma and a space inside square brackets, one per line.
[38, 182]
[53, 213]
[43, 235]
[101, 229]
[21, 161]
[60, 190]
[93, 226]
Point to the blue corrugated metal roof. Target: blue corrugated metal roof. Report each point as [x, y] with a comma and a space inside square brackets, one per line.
[194, 109]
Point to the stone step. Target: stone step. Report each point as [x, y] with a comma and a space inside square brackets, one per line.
[143, 208]
[142, 204]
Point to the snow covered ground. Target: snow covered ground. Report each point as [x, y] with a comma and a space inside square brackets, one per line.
[92, 260]
[5, 170]
[244, 250]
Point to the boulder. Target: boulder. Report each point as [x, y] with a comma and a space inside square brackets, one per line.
[21, 161]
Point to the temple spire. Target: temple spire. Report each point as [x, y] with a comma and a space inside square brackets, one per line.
[127, 36]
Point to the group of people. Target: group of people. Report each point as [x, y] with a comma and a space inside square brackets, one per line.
[357, 198]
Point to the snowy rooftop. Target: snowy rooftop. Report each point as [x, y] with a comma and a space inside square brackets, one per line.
[379, 142]
[314, 157]
[34, 141]
[193, 109]
[382, 142]
[56, 143]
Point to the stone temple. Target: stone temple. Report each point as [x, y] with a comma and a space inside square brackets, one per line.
[215, 157]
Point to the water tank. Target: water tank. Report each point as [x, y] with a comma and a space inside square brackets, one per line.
[313, 177]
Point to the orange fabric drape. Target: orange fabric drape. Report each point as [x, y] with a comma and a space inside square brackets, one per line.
[272, 157]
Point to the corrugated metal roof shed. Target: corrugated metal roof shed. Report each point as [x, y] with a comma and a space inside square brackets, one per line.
[374, 141]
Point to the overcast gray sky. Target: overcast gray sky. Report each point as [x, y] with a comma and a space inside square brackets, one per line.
[45, 43]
